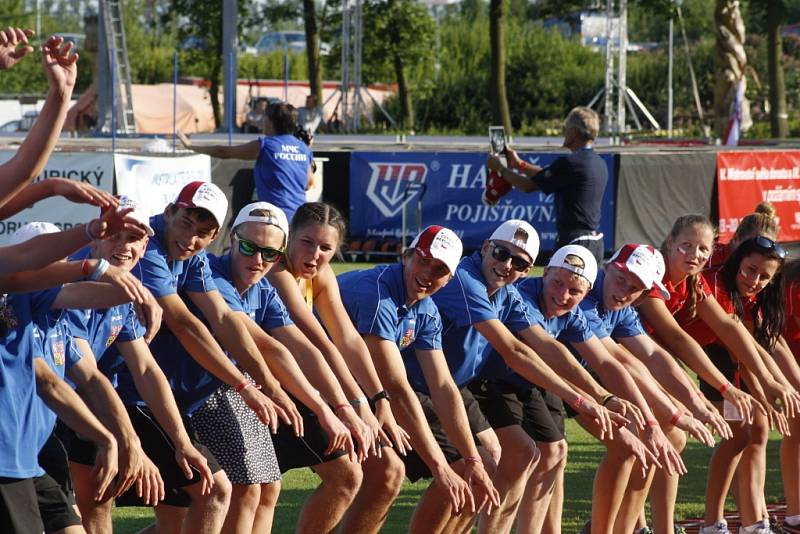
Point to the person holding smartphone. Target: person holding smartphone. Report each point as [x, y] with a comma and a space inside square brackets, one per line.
[578, 181]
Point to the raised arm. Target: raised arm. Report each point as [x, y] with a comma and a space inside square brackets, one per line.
[72, 190]
[61, 70]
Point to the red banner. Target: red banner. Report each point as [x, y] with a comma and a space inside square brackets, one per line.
[746, 178]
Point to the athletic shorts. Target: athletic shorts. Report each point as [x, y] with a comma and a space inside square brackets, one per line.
[19, 506]
[55, 508]
[539, 412]
[53, 459]
[415, 467]
[162, 453]
[306, 451]
[723, 361]
[79, 450]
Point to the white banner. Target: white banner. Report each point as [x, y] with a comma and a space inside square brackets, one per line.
[88, 167]
[155, 181]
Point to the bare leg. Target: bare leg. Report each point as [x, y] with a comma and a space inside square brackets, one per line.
[265, 514]
[518, 459]
[207, 513]
[609, 488]
[720, 472]
[752, 472]
[632, 507]
[383, 478]
[327, 504]
[552, 523]
[96, 516]
[169, 520]
[665, 487]
[242, 511]
[790, 467]
[464, 522]
[539, 491]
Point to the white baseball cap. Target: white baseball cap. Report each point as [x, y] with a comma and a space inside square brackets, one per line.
[138, 213]
[589, 269]
[643, 261]
[204, 195]
[275, 216]
[440, 243]
[519, 233]
[31, 230]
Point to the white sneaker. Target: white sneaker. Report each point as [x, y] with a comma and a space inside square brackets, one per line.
[720, 527]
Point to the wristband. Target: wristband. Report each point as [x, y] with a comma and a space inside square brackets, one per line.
[244, 384]
[724, 387]
[85, 266]
[608, 398]
[89, 231]
[677, 415]
[651, 423]
[359, 401]
[382, 394]
[578, 403]
[473, 460]
[99, 270]
[341, 407]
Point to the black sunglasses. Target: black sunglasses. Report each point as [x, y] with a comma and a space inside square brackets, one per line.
[767, 244]
[501, 253]
[248, 248]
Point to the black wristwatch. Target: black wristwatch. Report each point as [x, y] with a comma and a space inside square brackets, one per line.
[382, 394]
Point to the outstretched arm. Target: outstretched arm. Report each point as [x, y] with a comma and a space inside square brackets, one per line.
[248, 150]
[72, 190]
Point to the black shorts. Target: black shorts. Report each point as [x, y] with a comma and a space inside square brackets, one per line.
[53, 459]
[160, 450]
[307, 451]
[415, 467]
[19, 507]
[55, 508]
[79, 450]
[723, 361]
[539, 412]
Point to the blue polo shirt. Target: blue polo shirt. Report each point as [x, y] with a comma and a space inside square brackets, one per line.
[21, 425]
[572, 327]
[617, 324]
[464, 302]
[54, 346]
[260, 301]
[281, 172]
[375, 301]
[102, 327]
[164, 277]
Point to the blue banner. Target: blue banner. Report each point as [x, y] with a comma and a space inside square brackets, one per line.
[450, 185]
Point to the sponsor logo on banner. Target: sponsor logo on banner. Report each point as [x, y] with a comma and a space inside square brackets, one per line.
[746, 178]
[393, 185]
[449, 185]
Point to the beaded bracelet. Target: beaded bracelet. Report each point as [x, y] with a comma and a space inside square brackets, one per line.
[99, 270]
[578, 403]
[677, 415]
[651, 423]
[473, 460]
[724, 387]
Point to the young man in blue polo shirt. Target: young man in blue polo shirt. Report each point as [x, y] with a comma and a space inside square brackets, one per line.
[481, 313]
[176, 270]
[389, 306]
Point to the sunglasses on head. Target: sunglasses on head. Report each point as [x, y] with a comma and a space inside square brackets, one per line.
[767, 244]
[248, 248]
[501, 253]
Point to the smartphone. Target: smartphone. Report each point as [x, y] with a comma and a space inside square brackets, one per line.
[730, 412]
[497, 139]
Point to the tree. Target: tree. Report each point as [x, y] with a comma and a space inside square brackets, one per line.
[779, 120]
[312, 49]
[398, 37]
[497, 79]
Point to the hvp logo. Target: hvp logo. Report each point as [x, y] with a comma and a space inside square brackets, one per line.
[393, 185]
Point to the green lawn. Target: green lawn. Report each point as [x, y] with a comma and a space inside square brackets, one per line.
[585, 453]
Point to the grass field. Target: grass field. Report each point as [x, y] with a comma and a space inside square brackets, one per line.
[584, 454]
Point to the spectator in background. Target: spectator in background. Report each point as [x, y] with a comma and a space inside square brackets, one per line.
[578, 181]
[283, 170]
[309, 117]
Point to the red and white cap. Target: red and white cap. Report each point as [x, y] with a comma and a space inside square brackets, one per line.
[643, 261]
[519, 233]
[440, 243]
[204, 195]
[589, 269]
